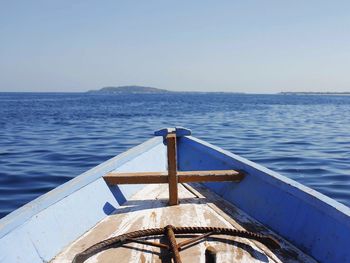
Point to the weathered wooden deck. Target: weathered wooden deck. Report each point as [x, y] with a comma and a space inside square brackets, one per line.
[149, 209]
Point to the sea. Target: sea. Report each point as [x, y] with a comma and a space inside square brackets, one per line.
[47, 139]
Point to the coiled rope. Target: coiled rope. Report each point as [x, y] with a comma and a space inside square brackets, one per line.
[126, 238]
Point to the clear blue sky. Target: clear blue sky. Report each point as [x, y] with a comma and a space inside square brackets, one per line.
[250, 46]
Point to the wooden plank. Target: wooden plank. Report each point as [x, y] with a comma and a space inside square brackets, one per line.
[154, 213]
[210, 176]
[211, 172]
[172, 169]
[183, 177]
[136, 178]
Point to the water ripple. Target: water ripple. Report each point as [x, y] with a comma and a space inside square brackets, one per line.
[47, 139]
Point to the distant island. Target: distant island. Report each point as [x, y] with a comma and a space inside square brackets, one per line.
[128, 90]
[133, 89]
[313, 93]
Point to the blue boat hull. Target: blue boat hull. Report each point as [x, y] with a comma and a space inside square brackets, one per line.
[316, 224]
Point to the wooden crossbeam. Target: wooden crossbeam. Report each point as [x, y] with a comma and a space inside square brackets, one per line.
[173, 176]
[136, 178]
[210, 176]
[183, 177]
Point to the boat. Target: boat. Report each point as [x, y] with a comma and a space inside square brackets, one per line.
[176, 198]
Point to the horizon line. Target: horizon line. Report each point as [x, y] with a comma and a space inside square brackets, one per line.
[195, 91]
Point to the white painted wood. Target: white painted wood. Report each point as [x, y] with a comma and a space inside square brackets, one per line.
[148, 209]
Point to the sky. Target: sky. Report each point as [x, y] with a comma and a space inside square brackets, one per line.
[236, 46]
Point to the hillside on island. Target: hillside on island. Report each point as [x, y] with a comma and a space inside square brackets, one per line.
[128, 89]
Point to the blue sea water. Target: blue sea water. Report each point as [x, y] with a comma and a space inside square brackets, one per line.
[48, 138]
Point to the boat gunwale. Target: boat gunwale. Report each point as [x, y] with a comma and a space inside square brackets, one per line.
[318, 200]
[27, 211]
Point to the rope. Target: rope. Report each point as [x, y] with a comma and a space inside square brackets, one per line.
[122, 239]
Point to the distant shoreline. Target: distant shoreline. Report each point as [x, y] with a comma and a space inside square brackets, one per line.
[132, 89]
[315, 93]
[145, 90]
